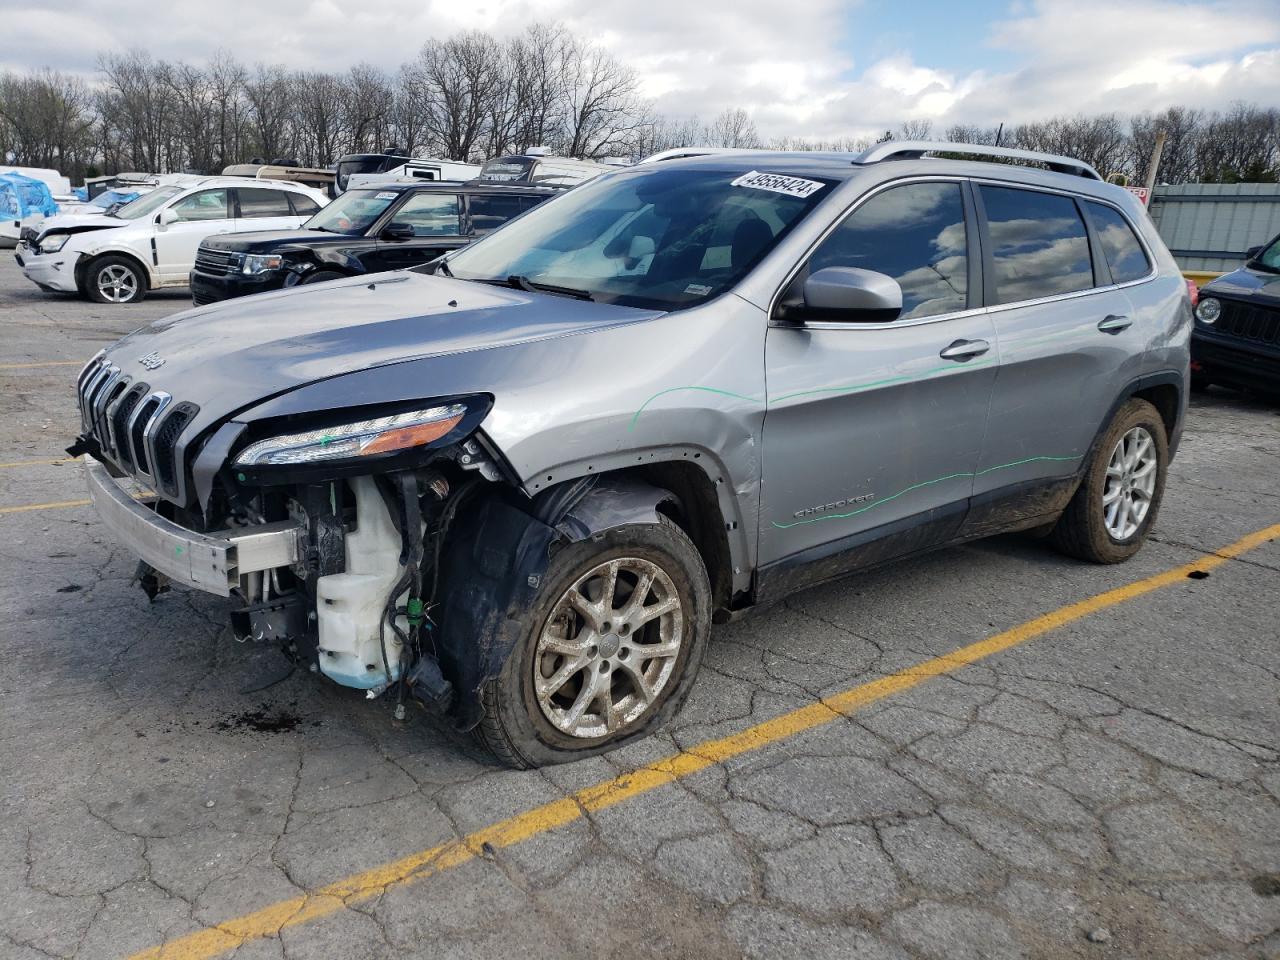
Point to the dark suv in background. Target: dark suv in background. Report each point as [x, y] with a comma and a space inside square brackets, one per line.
[1236, 341]
[363, 231]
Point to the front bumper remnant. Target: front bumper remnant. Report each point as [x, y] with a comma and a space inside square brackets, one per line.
[212, 562]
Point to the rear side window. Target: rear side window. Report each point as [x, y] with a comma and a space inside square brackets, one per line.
[1125, 256]
[488, 213]
[303, 206]
[914, 233]
[255, 204]
[1039, 244]
[430, 214]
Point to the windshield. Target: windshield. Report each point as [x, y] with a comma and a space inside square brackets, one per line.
[506, 168]
[148, 203]
[1269, 257]
[352, 213]
[664, 237]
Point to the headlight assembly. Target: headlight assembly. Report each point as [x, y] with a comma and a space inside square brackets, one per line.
[363, 438]
[54, 243]
[1208, 310]
[255, 263]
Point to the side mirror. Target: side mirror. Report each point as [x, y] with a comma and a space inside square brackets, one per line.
[167, 216]
[397, 231]
[849, 294]
[1253, 252]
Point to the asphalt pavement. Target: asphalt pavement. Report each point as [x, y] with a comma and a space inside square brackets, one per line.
[989, 752]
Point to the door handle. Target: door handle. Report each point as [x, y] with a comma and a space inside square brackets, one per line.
[962, 350]
[1114, 323]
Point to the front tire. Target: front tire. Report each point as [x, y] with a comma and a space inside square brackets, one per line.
[1108, 519]
[114, 280]
[612, 646]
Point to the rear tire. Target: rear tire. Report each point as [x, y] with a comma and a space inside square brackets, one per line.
[565, 652]
[114, 279]
[1095, 526]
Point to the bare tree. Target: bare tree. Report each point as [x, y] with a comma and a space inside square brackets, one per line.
[733, 128]
[46, 120]
[914, 130]
[604, 113]
[457, 79]
[1241, 145]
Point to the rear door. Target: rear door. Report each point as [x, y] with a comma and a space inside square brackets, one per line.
[436, 220]
[261, 208]
[1065, 350]
[200, 214]
[873, 430]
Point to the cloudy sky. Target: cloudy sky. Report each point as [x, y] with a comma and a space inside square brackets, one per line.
[817, 68]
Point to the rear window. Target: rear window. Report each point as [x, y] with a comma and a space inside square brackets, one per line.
[1125, 256]
[1039, 244]
[255, 204]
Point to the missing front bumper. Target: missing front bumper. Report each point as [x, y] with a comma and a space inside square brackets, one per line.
[212, 562]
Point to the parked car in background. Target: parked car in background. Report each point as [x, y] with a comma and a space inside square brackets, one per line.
[152, 242]
[22, 199]
[1236, 341]
[522, 479]
[363, 231]
[536, 166]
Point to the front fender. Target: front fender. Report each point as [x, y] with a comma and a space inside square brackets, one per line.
[493, 568]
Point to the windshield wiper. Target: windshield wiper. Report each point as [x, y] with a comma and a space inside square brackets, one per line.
[524, 283]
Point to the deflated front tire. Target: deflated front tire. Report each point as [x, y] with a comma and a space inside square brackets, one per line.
[612, 646]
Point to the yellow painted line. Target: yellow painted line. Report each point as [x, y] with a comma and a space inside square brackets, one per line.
[38, 463]
[44, 363]
[270, 920]
[55, 505]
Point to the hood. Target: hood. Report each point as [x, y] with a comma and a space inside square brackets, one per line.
[1256, 286]
[260, 240]
[234, 354]
[77, 222]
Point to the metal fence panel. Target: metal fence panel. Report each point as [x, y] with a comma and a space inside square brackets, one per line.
[1209, 226]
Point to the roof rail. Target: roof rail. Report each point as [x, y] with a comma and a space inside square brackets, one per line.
[914, 149]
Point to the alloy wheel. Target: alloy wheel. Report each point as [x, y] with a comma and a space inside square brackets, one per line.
[609, 648]
[1130, 483]
[117, 284]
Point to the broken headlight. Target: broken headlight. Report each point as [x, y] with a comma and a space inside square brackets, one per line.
[363, 438]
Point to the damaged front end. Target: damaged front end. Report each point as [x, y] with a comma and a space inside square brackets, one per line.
[386, 552]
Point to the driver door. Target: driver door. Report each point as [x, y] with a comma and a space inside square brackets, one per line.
[436, 221]
[873, 430]
[199, 215]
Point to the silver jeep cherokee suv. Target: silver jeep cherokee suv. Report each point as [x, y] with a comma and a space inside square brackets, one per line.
[517, 486]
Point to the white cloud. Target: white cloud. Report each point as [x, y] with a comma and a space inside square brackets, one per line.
[784, 63]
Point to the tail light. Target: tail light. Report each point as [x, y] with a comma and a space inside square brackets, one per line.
[1194, 291]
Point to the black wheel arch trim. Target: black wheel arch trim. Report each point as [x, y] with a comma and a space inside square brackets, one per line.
[493, 566]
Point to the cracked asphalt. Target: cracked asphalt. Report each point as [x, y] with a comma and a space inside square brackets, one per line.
[1108, 789]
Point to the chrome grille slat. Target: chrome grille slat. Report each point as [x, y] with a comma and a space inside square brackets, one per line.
[216, 263]
[136, 428]
[162, 400]
[88, 411]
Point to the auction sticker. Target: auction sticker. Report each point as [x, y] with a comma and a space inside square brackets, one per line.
[385, 196]
[778, 183]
